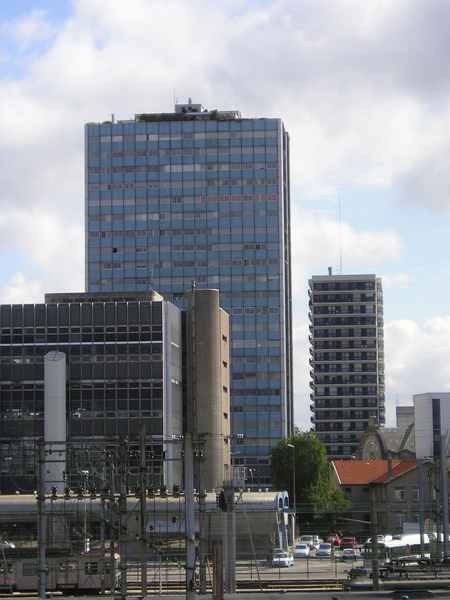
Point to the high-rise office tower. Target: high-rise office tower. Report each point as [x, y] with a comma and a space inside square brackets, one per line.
[198, 195]
[347, 358]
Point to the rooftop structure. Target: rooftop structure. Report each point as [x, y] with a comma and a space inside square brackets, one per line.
[363, 472]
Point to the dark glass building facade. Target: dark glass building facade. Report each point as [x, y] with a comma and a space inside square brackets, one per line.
[123, 370]
[203, 196]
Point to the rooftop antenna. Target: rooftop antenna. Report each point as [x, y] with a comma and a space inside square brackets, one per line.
[340, 232]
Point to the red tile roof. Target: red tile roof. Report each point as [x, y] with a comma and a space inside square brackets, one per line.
[362, 472]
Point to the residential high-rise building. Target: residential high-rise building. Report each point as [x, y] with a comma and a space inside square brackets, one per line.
[198, 195]
[347, 358]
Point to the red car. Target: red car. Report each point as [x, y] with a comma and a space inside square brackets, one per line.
[348, 542]
[334, 539]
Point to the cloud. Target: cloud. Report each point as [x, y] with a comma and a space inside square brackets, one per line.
[28, 29]
[418, 359]
[363, 87]
[316, 239]
[361, 106]
[397, 280]
[53, 251]
[19, 287]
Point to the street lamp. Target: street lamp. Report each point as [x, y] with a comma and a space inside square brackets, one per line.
[293, 482]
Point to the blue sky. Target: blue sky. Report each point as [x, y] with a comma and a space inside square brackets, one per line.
[363, 88]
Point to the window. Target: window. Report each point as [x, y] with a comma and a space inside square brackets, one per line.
[29, 569]
[399, 494]
[91, 568]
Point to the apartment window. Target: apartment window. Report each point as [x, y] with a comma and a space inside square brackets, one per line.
[399, 494]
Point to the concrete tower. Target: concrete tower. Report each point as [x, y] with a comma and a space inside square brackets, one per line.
[55, 419]
[207, 386]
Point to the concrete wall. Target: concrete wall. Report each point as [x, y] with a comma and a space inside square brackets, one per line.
[404, 416]
[209, 386]
[397, 500]
[173, 397]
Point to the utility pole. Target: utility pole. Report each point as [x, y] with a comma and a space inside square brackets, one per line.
[42, 523]
[444, 495]
[143, 507]
[191, 429]
[113, 520]
[203, 546]
[189, 515]
[421, 489]
[218, 570]
[374, 528]
[293, 484]
[123, 464]
[230, 538]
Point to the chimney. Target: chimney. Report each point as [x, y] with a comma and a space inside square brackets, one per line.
[330, 271]
[389, 465]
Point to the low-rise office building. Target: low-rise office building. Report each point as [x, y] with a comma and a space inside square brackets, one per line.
[125, 354]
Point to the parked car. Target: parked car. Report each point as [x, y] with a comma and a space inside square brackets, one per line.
[381, 539]
[324, 550]
[349, 554]
[348, 542]
[334, 539]
[307, 539]
[301, 550]
[281, 558]
[317, 541]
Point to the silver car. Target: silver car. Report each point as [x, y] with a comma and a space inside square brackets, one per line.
[301, 550]
[282, 559]
[324, 550]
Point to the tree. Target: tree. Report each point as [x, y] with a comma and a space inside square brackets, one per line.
[315, 492]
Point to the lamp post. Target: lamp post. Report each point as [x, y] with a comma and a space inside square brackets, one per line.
[293, 484]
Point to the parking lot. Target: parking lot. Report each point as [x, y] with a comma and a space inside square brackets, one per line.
[303, 568]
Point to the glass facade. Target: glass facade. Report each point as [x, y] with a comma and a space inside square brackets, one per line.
[183, 197]
[117, 354]
[347, 359]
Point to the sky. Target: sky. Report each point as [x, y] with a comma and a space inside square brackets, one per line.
[362, 87]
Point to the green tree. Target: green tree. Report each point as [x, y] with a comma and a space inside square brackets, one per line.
[315, 492]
